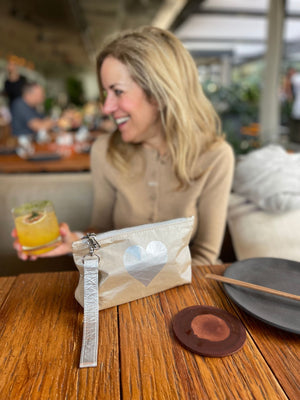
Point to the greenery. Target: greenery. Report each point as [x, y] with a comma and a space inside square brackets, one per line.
[238, 107]
[75, 91]
[49, 103]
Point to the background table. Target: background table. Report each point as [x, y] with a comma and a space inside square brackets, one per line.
[72, 160]
[138, 356]
[75, 162]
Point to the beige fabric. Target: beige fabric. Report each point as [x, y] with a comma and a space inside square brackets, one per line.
[150, 197]
[257, 233]
[71, 194]
[138, 262]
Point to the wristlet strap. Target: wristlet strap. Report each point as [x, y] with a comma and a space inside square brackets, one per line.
[89, 348]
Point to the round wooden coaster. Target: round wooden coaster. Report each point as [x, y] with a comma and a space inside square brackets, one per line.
[209, 331]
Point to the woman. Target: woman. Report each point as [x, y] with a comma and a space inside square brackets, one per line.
[167, 158]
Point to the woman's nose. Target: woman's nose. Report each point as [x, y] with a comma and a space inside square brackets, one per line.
[110, 105]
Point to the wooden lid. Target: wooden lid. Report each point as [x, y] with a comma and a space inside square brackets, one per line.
[209, 331]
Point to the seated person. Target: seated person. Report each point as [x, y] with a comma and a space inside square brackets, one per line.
[26, 119]
[168, 157]
[14, 82]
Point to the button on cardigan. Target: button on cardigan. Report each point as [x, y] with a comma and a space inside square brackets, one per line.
[150, 195]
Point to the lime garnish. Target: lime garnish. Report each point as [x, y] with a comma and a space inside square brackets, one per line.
[33, 206]
[33, 217]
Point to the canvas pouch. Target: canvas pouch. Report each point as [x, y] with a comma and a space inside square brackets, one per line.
[136, 262]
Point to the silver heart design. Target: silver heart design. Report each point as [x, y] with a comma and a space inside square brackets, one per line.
[144, 265]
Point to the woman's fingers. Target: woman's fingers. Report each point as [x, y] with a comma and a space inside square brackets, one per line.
[65, 247]
[14, 233]
[17, 246]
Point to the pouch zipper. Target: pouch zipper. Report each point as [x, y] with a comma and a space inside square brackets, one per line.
[108, 234]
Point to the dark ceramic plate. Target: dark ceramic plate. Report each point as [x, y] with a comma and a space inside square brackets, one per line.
[209, 331]
[274, 273]
[44, 157]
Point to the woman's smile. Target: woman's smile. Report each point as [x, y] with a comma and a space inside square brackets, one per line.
[137, 117]
[121, 121]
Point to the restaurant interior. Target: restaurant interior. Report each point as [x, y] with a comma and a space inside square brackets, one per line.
[242, 65]
[126, 315]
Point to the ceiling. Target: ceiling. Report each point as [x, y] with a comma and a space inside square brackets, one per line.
[211, 29]
[59, 36]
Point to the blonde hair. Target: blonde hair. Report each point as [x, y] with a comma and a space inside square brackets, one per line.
[158, 62]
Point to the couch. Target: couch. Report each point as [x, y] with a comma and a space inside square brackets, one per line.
[71, 194]
[257, 233]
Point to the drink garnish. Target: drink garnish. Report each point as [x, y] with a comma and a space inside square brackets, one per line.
[33, 217]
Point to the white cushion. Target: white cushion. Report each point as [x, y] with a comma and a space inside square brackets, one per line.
[257, 233]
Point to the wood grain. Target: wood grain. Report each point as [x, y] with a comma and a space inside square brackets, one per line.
[280, 349]
[155, 366]
[41, 334]
[6, 283]
[138, 355]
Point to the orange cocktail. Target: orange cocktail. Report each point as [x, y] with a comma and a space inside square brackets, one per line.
[37, 226]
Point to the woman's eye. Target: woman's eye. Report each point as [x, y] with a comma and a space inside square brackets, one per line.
[118, 92]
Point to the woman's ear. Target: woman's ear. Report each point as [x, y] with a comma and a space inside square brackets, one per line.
[155, 103]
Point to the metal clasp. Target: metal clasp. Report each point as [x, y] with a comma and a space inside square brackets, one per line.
[92, 242]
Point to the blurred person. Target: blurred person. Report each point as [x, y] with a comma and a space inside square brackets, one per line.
[5, 115]
[70, 120]
[287, 85]
[26, 119]
[293, 98]
[168, 157]
[295, 85]
[14, 83]
[5, 119]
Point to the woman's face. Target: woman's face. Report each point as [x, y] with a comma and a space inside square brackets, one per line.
[137, 118]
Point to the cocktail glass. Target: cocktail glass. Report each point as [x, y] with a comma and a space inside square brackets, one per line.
[37, 227]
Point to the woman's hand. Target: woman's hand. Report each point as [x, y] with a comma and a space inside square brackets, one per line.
[63, 248]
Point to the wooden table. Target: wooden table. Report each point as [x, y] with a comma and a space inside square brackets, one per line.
[138, 356]
[73, 163]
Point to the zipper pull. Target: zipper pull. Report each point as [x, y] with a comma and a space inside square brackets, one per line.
[92, 242]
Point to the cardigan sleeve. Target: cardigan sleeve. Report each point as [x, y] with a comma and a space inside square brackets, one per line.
[103, 189]
[212, 206]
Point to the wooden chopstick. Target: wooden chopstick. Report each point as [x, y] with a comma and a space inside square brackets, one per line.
[237, 282]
